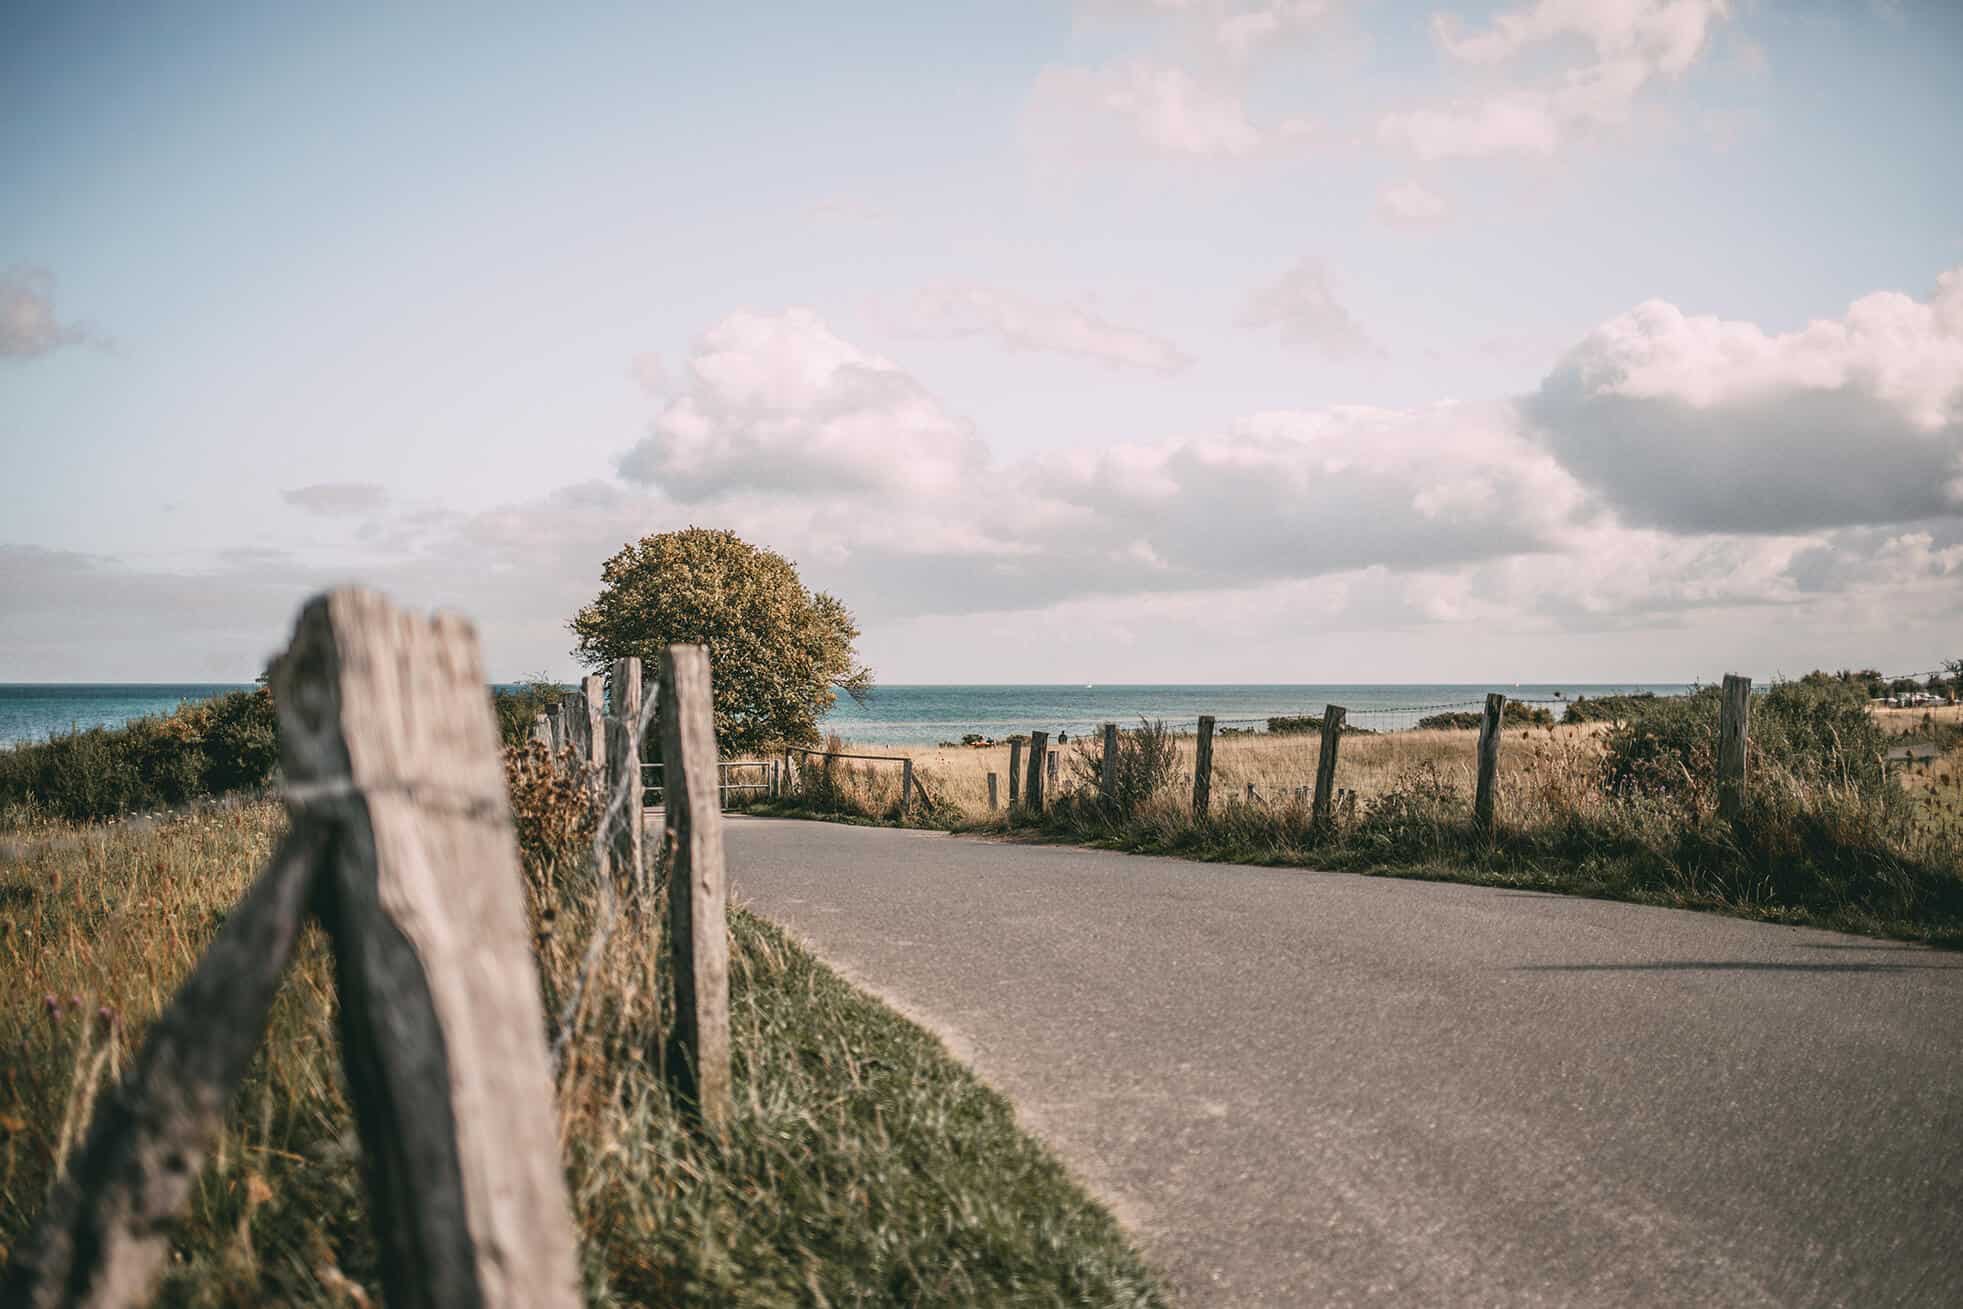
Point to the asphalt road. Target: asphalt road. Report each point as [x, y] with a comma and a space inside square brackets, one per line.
[1306, 1088]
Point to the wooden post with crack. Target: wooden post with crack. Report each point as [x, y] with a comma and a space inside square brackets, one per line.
[698, 1053]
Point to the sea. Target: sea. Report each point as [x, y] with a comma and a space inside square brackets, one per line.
[922, 715]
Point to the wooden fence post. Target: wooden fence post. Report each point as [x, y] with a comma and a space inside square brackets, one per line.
[1325, 764]
[624, 770]
[1050, 768]
[1015, 773]
[1032, 787]
[906, 786]
[590, 745]
[1490, 731]
[698, 1056]
[1107, 782]
[991, 793]
[1734, 722]
[542, 729]
[1203, 767]
[555, 722]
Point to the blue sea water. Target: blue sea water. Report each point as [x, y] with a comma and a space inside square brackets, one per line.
[36, 711]
[910, 715]
[924, 715]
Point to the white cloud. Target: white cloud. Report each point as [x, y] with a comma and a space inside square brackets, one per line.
[1632, 43]
[1304, 306]
[29, 325]
[1700, 424]
[1674, 474]
[1237, 28]
[1409, 204]
[1669, 34]
[1519, 123]
[778, 402]
[1022, 322]
[1138, 105]
[337, 497]
[650, 373]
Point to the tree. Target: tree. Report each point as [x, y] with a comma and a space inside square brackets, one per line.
[778, 653]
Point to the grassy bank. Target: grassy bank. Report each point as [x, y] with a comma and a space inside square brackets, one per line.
[1625, 809]
[227, 745]
[863, 1166]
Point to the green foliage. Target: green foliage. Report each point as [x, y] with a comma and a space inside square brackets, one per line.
[1514, 714]
[779, 652]
[1299, 725]
[519, 706]
[206, 748]
[1815, 733]
[1147, 762]
[1606, 708]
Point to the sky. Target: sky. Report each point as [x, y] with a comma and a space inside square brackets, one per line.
[1120, 341]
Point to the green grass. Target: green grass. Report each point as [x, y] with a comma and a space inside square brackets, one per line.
[863, 1165]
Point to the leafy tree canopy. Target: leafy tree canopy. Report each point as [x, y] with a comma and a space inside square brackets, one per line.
[778, 653]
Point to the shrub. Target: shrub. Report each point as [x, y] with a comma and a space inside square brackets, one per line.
[1414, 815]
[1514, 714]
[1810, 734]
[1147, 762]
[552, 806]
[1299, 724]
[206, 748]
[1608, 708]
[518, 707]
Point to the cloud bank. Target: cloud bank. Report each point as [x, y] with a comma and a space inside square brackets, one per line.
[1672, 472]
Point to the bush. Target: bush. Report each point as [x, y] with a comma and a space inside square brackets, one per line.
[1809, 734]
[1514, 714]
[552, 806]
[206, 748]
[1299, 724]
[1415, 815]
[1609, 708]
[1147, 762]
[518, 707]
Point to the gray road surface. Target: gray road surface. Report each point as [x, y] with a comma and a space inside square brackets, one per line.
[1307, 1088]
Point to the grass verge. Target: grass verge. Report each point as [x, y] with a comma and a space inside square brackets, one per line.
[864, 1166]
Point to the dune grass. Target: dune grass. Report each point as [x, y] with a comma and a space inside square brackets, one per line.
[863, 1166]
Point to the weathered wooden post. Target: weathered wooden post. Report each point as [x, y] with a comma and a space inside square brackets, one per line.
[1325, 764]
[590, 744]
[1015, 773]
[1490, 728]
[384, 734]
[1203, 767]
[698, 1055]
[555, 722]
[1050, 768]
[906, 787]
[1032, 788]
[624, 770]
[542, 729]
[1734, 722]
[1107, 781]
[991, 793]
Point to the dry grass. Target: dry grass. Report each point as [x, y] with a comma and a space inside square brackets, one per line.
[1277, 765]
[863, 1166]
[1851, 849]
